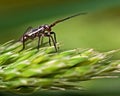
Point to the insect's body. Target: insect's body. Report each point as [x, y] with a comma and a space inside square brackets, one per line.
[43, 31]
[33, 33]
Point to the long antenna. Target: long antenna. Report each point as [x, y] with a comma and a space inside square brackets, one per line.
[61, 20]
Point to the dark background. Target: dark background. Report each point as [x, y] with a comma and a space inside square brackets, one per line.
[99, 29]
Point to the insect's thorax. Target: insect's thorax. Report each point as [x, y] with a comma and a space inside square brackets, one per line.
[41, 31]
[35, 32]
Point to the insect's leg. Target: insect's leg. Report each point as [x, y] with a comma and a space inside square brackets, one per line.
[23, 43]
[54, 36]
[50, 37]
[49, 41]
[42, 40]
[54, 43]
[39, 37]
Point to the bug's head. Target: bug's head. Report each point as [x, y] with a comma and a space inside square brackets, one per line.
[47, 27]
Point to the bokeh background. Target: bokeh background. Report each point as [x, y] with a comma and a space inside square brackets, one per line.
[99, 29]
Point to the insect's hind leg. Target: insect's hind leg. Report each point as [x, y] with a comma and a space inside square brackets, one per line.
[39, 43]
[23, 45]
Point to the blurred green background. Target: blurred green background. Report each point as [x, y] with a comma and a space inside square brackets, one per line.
[99, 29]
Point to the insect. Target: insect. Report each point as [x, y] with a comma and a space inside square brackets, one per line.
[44, 31]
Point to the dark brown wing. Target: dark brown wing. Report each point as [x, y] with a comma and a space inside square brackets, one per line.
[28, 30]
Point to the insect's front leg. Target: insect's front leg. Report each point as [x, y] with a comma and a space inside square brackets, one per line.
[54, 34]
[53, 40]
[54, 43]
[54, 37]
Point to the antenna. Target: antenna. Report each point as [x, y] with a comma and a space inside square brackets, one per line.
[61, 20]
